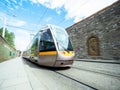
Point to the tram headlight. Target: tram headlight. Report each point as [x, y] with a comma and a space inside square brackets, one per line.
[67, 53]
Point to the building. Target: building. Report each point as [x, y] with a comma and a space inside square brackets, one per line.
[6, 51]
[98, 36]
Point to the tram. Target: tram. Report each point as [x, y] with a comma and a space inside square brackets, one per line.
[51, 46]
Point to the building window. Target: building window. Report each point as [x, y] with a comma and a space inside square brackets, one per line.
[93, 46]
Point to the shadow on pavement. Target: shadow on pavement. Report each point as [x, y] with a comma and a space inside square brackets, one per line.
[34, 65]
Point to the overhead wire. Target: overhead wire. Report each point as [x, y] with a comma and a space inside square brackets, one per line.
[11, 13]
[73, 12]
[19, 27]
[45, 11]
[7, 10]
[42, 16]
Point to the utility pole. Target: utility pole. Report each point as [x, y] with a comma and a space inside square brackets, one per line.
[4, 25]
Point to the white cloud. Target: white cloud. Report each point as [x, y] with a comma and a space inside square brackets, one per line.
[50, 3]
[12, 20]
[22, 39]
[76, 9]
[58, 11]
[16, 22]
[48, 19]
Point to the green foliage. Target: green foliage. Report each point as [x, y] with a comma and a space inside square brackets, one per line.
[9, 36]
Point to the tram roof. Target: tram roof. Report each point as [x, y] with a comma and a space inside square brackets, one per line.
[51, 26]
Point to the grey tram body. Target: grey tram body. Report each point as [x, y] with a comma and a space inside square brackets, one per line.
[51, 46]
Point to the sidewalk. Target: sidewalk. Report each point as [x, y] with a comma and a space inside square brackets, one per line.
[100, 60]
[13, 75]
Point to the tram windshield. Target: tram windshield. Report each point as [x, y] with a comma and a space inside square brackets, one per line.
[46, 41]
[62, 38]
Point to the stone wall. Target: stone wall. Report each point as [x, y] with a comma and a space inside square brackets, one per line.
[98, 36]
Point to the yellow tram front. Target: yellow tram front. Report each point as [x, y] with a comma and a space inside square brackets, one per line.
[64, 47]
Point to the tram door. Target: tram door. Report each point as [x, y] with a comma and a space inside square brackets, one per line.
[47, 48]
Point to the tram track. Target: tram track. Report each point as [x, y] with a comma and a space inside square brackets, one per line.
[86, 85]
[96, 71]
[56, 70]
[91, 79]
[108, 68]
[78, 76]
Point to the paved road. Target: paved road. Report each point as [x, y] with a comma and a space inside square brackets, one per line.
[20, 74]
[13, 75]
[48, 79]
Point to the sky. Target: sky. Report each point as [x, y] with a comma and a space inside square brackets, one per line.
[26, 17]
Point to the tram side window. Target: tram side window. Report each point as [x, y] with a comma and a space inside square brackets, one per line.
[47, 42]
[34, 44]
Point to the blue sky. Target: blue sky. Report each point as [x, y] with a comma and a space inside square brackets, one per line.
[25, 17]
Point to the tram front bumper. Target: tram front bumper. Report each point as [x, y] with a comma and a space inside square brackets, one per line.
[63, 63]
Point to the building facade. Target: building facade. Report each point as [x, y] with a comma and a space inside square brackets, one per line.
[98, 36]
[6, 51]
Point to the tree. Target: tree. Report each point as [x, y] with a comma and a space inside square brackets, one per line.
[9, 36]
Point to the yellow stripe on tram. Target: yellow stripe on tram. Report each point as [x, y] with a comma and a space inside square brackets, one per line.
[48, 53]
[32, 54]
